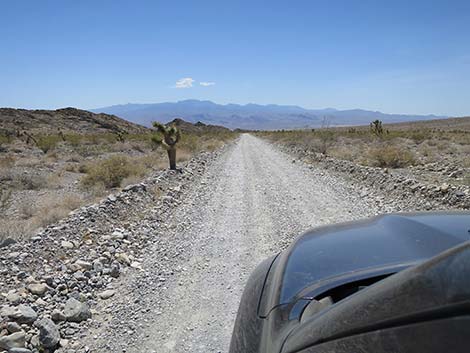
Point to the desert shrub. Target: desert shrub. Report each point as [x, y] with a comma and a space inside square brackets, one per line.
[93, 139]
[390, 157]
[5, 198]
[5, 140]
[54, 180]
[110, 172]
[48, 142]
[190, 143]
[70, 167]
[83, 168]
[31, 182]
[109, 138]
[7, 162]
[74, 139]
[325, 140]
[50, 215]
[26, 210]
[138, 147]
[419, 136]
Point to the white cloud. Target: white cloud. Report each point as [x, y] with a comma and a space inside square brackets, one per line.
[184, 82]
[205, 84]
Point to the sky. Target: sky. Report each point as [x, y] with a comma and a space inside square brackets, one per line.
[392, 56]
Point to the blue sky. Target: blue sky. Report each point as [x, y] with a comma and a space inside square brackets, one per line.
[393, 56]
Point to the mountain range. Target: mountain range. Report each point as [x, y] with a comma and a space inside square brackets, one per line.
[252, 116]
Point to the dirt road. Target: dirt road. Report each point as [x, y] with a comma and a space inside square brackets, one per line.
[250, 204]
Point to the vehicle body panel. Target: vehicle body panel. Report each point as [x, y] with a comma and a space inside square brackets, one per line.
[333, 256]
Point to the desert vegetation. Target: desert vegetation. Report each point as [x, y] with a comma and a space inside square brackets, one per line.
[44, 176]
[167, 137]
[412, 147]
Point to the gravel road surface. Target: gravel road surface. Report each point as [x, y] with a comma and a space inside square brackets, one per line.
[250, 204]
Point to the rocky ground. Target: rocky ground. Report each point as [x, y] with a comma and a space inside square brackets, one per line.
[160, 266]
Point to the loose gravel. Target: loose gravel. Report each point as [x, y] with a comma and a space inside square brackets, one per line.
[251, 203]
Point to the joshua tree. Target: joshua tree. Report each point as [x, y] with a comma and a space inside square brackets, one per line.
[376, 128]
[171, 135]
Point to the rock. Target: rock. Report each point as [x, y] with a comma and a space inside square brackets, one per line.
[98, 266]
[19, 350]
[21, 275]
[117, 235]
[7, 311]
[107, 294]
[13, 297]
[67, 244]
[13, 327]
[40, 302]
[58, 315]
[7, 242]
[80, 276]
[35, 341]
[76, 311]
[135, 187]
[84, 264]
[22, 314]
[64, 342]
[115, 270]
[15, 340]
[444, 187]
[13, 255]
[136, 265]
[37, 288]
[123, 258]
[48, 333]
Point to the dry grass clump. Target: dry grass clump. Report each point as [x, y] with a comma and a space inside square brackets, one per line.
[45, 216]
[390, 157]
[15, 229]
[34, 216]
[31, 181]
[53, 180]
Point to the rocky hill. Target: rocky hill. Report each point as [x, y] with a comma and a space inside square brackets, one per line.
[197, 127]
[66, 119]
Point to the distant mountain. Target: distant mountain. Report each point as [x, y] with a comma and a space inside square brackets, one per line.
[252, 116]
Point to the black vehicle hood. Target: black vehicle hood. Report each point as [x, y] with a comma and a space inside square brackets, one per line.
[388, 241]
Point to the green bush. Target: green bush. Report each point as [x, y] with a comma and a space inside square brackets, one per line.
[5, 139]
[74, 139]
[47, 143]
[110, 172]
